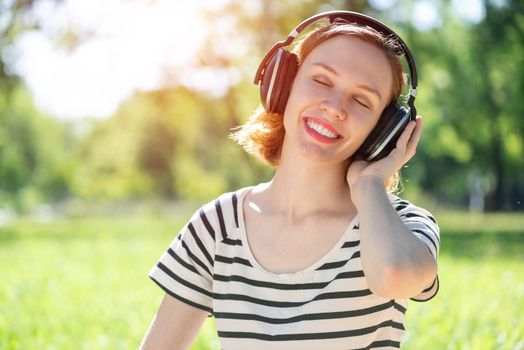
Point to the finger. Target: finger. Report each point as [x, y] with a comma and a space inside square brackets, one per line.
[411, 146]
[405, 136]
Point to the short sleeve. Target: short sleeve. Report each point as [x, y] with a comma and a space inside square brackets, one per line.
[185, 269]
[423, 225]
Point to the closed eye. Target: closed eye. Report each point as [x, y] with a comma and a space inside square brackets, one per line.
[321, 82]
[362, 103]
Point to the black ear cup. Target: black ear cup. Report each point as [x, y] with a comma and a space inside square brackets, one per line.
[383, 138]
[277, 80]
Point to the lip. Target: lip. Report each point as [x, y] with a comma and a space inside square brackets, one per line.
[316, 135]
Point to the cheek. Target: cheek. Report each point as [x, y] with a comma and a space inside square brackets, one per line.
[298, 98]
[365, 131]
[364, 134]
[303, 89]
[360, 129]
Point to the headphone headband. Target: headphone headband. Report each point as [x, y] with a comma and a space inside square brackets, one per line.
[278, 69]
[349, 16]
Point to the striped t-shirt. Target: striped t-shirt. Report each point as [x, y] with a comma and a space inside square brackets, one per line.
[326, 306]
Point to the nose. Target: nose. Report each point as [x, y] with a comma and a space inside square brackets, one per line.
[335, 105]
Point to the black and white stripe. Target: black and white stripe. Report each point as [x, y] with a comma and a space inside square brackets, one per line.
[330, 306]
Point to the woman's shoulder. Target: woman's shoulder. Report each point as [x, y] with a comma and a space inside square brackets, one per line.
[225, 201]
[220, 214]
[407, 209]
[230, 200]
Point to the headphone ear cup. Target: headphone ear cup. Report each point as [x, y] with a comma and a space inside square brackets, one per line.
[277, 79]
[383, 138]
[285, 82]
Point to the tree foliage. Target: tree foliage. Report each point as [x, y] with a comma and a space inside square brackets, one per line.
[472, 80]
[34, 160]
[172, 143]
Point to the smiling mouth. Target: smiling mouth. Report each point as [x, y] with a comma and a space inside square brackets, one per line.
[320, 132]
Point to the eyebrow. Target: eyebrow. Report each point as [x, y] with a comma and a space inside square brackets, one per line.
[361, 86]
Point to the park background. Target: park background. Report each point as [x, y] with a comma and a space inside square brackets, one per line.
[114, 124]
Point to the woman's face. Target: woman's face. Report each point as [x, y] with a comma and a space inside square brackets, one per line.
[340, 90]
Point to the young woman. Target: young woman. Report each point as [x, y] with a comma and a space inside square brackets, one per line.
[323, 256]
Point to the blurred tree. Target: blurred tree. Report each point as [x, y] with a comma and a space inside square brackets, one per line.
[172, 143]
[34, 162]
[471, 80]
[499, 46]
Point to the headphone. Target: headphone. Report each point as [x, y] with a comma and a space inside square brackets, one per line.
[279, 67]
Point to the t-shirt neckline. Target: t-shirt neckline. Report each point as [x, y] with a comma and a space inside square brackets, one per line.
[348, 234]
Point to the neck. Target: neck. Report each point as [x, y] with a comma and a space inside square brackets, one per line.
[300, 188]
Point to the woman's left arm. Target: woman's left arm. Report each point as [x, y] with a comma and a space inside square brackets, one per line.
[396, 263]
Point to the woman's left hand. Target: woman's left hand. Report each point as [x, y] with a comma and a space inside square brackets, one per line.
[389, 165]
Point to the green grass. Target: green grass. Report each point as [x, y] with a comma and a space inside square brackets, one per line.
[82, 284]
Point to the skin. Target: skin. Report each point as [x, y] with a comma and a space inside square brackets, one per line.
[174, 327]
[283, 220]
[317, 190]
[331, 85]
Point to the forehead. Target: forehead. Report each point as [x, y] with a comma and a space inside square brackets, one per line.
[354, 58]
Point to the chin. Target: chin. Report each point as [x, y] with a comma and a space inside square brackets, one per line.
[316, 154]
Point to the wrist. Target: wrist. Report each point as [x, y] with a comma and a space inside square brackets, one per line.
[365, 187]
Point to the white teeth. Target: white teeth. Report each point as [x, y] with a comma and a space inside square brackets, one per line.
[321, 130]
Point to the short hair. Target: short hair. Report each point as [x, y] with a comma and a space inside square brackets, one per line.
[263, 134]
